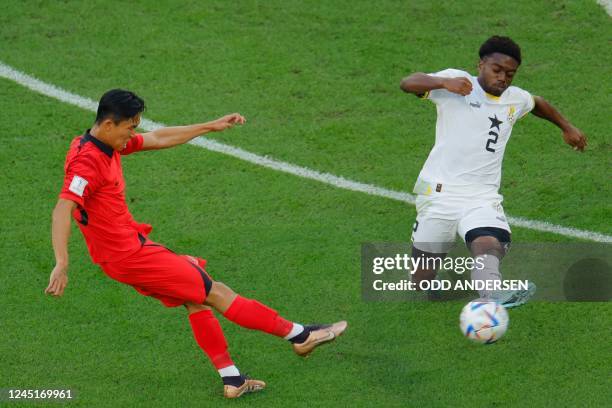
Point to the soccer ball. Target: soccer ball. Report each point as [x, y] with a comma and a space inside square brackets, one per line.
[483, 322]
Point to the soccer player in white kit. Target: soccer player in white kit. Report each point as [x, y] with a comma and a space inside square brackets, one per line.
[458, 187]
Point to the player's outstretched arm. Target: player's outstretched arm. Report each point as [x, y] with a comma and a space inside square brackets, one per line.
[176, 135]
[60, 232]
[571, 134]
[420, 83]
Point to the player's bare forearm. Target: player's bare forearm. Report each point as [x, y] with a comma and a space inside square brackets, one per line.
[420, 83]
[571, 134]
[60, 229]
[176, 135]
[545, 110]
[60, 233]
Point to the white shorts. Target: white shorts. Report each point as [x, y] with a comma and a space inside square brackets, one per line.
[440, 217]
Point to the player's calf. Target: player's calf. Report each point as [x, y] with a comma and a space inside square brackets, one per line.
[487, 248]
[429, 263]
[420, 275]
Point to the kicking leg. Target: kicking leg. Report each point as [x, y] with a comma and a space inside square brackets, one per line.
[490, 245]
[254, 315]
[489, 251]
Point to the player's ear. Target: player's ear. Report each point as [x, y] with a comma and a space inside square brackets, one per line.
[481, 66]
[107, 124]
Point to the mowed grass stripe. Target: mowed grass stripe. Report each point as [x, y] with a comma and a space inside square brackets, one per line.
[304, 172]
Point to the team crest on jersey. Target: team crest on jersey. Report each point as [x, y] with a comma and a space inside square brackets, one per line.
[511, 113]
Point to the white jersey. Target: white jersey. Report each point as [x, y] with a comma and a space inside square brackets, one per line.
[471, 135]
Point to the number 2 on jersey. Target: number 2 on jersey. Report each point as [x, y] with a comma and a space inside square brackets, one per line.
[491, 141]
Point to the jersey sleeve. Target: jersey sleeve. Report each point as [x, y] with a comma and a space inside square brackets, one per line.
[133, 146]
[527, 105]
[81, 179]
[439, 96]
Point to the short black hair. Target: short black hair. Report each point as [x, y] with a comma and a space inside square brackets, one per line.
[119, 104]
[503, 45]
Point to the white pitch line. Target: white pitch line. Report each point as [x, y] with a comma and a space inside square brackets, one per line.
[52, 91]
[607, 5]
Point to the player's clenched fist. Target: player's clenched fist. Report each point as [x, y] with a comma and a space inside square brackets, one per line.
[461, 85]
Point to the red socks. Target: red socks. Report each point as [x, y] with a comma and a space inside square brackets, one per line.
[251, 314]
[209, 336]
[247, 313]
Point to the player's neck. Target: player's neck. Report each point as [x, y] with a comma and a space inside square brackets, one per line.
[482, 85]
[99, 134]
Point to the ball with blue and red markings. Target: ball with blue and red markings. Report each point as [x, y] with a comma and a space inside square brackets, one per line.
[483, 321]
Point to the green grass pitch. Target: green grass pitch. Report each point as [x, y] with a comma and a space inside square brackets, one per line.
[319, 85]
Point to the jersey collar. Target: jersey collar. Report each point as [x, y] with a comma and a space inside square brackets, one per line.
[492, 97]
[488, 96]
[99, 144]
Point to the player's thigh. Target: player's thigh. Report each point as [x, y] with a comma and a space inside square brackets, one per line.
[435, 227]
[158, 272]
[433, 235]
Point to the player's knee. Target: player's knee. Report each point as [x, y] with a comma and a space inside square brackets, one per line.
[220, 296]
[488, 240]
[486, 245]
[195, 308]
[220, 289]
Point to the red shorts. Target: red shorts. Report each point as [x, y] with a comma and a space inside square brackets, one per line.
[158, 272]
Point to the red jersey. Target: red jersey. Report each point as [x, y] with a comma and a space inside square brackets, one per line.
[94, 180]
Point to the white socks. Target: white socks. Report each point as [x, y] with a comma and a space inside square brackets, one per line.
[229, 371]
[297, 329]
[489, 271]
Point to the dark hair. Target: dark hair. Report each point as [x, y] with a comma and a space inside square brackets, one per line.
[119, 105]
[503, 45]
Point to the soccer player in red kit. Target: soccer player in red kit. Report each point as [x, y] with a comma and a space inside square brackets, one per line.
[93, 194]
